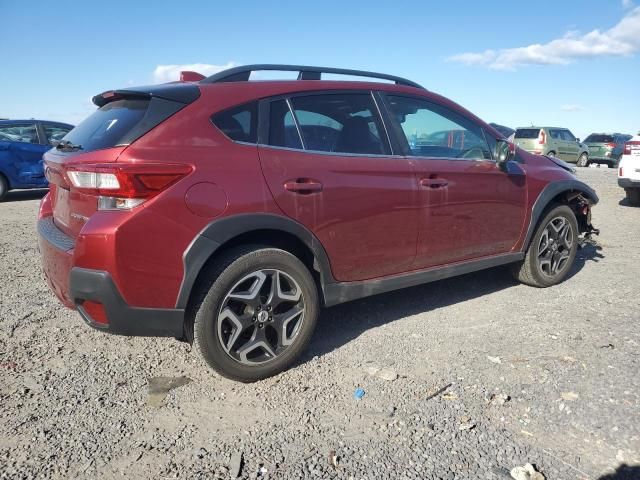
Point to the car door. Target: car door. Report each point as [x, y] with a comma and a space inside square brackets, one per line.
[327, 160]
[557, 143]
[23, 157]
[469, 208]
[571, 145]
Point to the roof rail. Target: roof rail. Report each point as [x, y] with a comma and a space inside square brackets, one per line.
[242, 74]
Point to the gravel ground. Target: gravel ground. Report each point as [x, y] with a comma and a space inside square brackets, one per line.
[490, 375]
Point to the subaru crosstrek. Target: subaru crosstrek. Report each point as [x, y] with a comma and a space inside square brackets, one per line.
[227, 212]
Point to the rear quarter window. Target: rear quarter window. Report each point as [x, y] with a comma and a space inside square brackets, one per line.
[527, 132]
[240, 124]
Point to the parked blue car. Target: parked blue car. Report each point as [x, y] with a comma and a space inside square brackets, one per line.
[22, 143]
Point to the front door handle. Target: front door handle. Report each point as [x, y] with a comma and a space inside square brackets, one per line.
[433, 182]
[303, 186]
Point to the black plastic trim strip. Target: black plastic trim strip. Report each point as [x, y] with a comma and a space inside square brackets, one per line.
[98, 286]
[48, 230]
[218, 232]
[341, 292]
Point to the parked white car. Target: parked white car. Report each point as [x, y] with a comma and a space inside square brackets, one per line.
[629, 170]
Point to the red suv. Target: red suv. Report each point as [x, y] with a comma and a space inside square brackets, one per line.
[228, 211]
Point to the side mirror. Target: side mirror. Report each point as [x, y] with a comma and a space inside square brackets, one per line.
[505, 152]
[578, 140]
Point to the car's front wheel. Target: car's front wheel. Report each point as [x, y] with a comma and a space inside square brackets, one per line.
[552, 250]
[257, 315]
[583, 160]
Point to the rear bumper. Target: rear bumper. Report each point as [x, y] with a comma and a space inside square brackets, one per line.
[73, 286]
[98, 286]
[628, 183]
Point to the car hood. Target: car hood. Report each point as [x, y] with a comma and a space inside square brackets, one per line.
[562, 164]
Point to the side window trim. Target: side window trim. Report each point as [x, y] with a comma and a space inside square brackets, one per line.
[296, 123]
[402, 139]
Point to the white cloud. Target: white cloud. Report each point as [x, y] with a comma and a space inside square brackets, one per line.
[622, 39]
[627, 3]
[171, 73]
[572, 107]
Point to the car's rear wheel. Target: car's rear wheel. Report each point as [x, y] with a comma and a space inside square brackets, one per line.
[552, 250]
[4, 187]
[633, 196]
[257, 315]
[551, 154]
[583, 160]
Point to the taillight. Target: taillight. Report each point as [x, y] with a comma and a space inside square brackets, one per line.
[620, 172]
[124, 186]
[628, 145]
[610, 145]
[542, 137]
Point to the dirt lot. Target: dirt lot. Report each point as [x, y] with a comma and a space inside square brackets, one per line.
[74, 403]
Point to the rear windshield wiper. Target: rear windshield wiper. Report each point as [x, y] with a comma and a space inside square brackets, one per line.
[68, 146]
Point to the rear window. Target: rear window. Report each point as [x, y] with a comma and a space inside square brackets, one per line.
[109, 125]
[121, 122]
[527, 132]
[596, 138]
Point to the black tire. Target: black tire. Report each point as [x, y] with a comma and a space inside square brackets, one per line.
[583, 160]
[4, 187]
[530, 271]
[227, 277]
[551, 154]
[633, 196]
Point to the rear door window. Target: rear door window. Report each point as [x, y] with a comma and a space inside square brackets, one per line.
[55, 133]
[434, 131]
[23, 132]
[335, 123]
[527, 133]
[555, 134]
[568, 136]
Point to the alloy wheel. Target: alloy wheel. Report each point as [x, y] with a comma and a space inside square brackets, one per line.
[554, 247]
[261, 316]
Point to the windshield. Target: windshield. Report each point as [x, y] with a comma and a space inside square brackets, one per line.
[527, 132]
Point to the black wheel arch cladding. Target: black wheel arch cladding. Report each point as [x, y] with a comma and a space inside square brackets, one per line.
[217, 233]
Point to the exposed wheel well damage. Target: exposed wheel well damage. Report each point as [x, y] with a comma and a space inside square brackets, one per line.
[574, 193]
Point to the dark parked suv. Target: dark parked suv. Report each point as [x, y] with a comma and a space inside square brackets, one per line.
[228, 212]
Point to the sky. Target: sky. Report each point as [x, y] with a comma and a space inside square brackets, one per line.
[574, 64]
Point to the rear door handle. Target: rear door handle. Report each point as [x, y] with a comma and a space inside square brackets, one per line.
[303, 186]
[433, 182]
